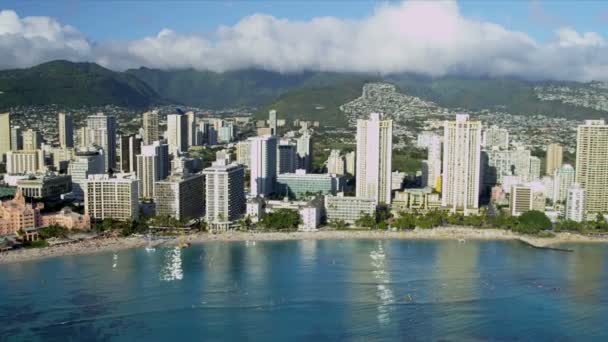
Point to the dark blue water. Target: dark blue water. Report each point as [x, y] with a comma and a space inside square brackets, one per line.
[362, 290]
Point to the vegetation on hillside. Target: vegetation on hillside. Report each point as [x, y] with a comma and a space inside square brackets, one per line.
[72, 84]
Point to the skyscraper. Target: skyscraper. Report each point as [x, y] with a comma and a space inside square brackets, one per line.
[31, 140]
[272, 121]
[287, 161]
[130, 147]
[563, 178]
[16, 138]
[150, 126]
[5, 134]
[152, 166]
[66, 130]
[433, 162]
[461, 165]
[84, 164]
[192, 136]
[592, 163]
[374, 158]
[335, 163]
[555, 155]
[263, 164]
[181, 196]
[101, 131]
[224, 193]
[177, 133]
[304, 145]
[114, 197]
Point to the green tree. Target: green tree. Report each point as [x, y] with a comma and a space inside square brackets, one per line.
[532, 222]
[366, 221]
[405, 221]
[53, 231]
[569, 226]
[281, 219]
[338, 224]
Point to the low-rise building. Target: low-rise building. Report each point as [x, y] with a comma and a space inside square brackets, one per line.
[418, 199]
[17, 214]
[47, 187]
[348, 209]
[299, 184]
[255, 209]
[68, 219]
[24, 161]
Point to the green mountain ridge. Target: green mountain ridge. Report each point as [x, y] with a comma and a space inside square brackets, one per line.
[305, 95]
[73, 84]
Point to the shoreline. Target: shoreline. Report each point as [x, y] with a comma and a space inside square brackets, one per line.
[443, 233]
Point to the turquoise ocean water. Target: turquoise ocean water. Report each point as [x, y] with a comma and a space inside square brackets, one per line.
[350, 290]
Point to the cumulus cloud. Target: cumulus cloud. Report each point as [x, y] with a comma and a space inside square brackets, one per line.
[432, 38]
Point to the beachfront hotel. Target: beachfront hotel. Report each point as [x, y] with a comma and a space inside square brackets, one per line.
[224, 194]
[348, 209]
[152, 166]
[263, 164]
[592, 165]
[374, 158]
[181, 196]
[461, 165]
[112, 197]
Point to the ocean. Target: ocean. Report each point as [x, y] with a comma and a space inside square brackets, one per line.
[338, 290]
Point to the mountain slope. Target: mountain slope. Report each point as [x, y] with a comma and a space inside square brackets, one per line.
[72, 84]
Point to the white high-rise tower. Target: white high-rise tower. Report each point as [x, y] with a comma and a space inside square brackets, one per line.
[177, 133]
[461, 165]
[101, 132]
[263, 164]
[374, 158]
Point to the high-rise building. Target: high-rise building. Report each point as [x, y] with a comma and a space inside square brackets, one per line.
[16, 138]
[152, 166]
[224, 194]
[30, 161]
[192, 136]
[335, 163]
[81, 138]
[130, 147]
[272, 121]
[461, 165]
[101, 131]
[374, 158]
[5, 134]
[66, 130]
[243, 152]
[351, 163]
[177, 133]
[32, 140]
[85, 163]
[263, 164]
[287, 161]
[112, 197]
[225, 134]
[301, 184]
[150, 126]
[563, 178]
[432, 174]
[555, 155]
[304, 144]
[576, 203]
[534, 165]
[181, 196]
[592, 163]
[495, 137]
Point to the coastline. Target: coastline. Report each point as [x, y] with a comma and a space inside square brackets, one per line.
[442, 233]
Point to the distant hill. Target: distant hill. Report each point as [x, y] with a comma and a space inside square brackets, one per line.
[72, 84]
[306, 95]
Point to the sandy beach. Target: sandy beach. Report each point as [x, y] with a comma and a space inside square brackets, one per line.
[443, 233]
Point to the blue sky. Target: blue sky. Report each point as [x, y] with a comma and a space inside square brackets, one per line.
[126, 20]
[563, 40]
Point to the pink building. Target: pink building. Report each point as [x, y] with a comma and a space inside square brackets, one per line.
[17, 214]
[67, 218]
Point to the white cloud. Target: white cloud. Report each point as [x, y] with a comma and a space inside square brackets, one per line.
[425, 37]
